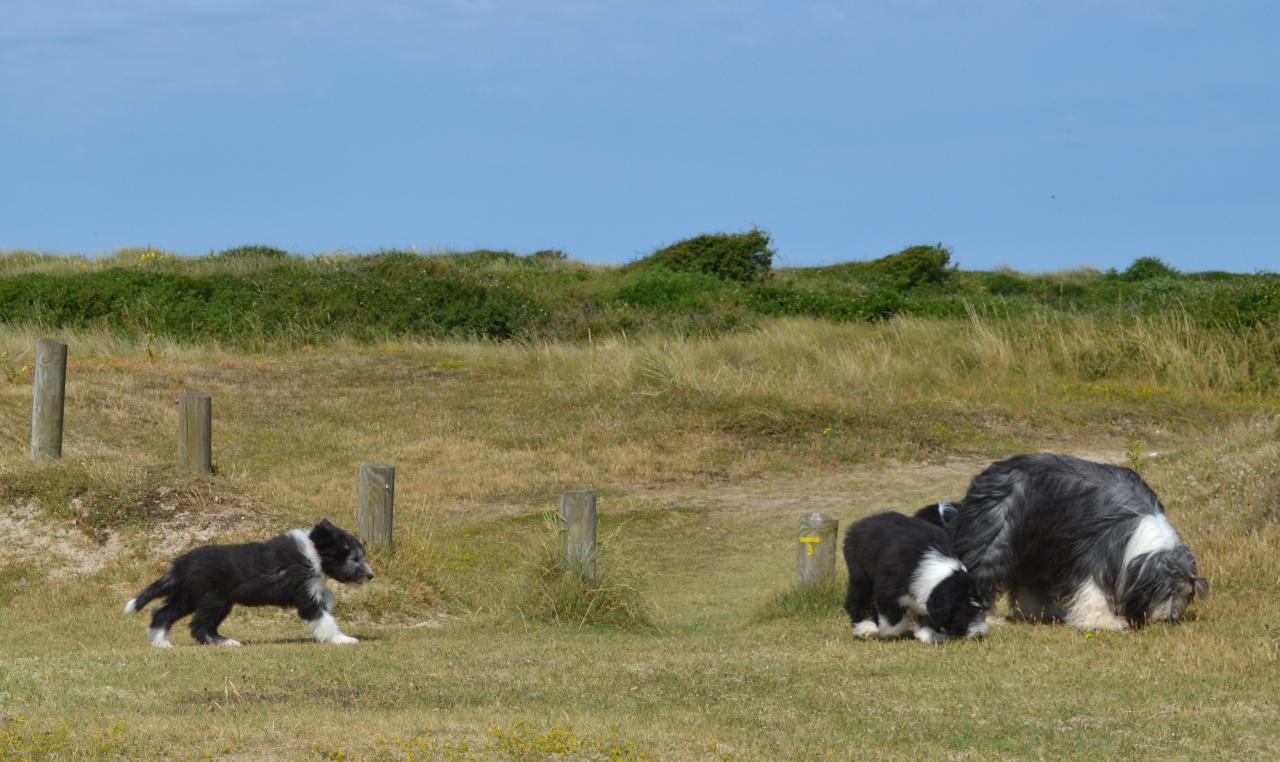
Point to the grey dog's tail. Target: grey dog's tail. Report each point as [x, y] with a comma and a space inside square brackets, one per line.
[162, 586]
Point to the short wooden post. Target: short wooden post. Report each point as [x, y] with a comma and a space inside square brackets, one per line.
[816, 553]
[50, 393]
[195, 433]
[578, 531]
[377, 503]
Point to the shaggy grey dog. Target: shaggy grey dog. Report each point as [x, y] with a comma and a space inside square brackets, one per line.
[1076, 541]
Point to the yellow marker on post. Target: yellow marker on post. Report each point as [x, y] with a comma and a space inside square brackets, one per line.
[816, 553]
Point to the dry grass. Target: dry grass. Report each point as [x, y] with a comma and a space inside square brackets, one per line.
[704, 453]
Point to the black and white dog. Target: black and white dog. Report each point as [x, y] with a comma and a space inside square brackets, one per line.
[902, 567]
[287, 571]
[1076, 541]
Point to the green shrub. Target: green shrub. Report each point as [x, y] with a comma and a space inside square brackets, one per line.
[742, 257]
[880, 304]
[915, 266]
[1239, 306]
[1146, 268]
[1005, 284]
[385, 295]
[549, 255]
[780, 300]
[253, 251]
[659, 288]
[1161, 288]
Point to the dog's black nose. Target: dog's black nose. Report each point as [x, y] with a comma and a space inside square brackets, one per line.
[370, 575]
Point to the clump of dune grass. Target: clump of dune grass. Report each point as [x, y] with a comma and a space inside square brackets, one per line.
[558, 590]
[817, 601]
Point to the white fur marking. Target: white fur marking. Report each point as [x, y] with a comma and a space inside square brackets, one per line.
[1088, 609]
[315, 585]
[325, 629]
[865, 629]
[977, 628]
[934, 567]
[131, 606]
[888, 630]
[159, 637]
[1153, 533]
[228, 642]
[911, 604]
[929, 635]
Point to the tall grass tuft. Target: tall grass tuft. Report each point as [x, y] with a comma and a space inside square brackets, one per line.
[557, 591]
[819, 601]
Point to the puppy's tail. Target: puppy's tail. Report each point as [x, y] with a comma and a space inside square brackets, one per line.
[162, 586]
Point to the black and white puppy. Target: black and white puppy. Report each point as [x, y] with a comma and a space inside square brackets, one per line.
[902, 568]
[1076, 541]
[287, 571]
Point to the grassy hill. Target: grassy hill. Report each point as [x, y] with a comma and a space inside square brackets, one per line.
[254, 296]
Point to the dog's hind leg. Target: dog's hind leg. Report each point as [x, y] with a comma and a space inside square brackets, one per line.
[163, 617]
[859, 605]
[204, 625]
[1034, 605]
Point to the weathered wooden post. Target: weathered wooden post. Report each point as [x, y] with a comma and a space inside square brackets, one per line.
[816, 553]
[195, 433]
[47, 404]
[578, 531]
[377, 502]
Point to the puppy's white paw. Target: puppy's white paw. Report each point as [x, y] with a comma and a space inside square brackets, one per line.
[929, 635]
[865, 629]
[161, 644]
[341, 639]
[229, 642]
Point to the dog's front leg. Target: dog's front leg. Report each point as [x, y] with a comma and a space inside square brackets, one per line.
[323, 626]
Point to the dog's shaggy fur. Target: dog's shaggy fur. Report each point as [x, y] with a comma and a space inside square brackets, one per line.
[902, 568]
[1076, 541]
[287, 571]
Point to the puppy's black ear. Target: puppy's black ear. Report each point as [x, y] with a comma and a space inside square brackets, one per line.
[323, 529]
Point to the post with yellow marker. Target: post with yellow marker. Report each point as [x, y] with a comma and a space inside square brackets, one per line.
[816, 553]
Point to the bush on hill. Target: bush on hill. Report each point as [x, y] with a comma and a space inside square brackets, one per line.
[741, 257]
[1146, 268]
[915, 266]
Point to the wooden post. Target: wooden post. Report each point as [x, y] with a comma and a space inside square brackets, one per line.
[816, 553]
[195, 433]
[578, 531]
[47, 404]
[377, 503]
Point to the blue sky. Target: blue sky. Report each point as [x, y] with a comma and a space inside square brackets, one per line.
[1041, 135]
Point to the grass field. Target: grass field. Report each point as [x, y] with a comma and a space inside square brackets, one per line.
[704, 452]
